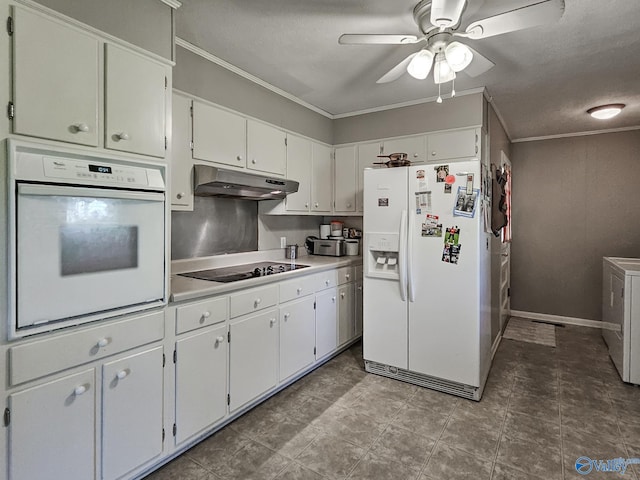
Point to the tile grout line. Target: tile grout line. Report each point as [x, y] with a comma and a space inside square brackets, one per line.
[504, 422]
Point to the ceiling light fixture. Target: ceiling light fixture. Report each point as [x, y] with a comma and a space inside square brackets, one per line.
[604, 112]
[420, 65]
[458, 56]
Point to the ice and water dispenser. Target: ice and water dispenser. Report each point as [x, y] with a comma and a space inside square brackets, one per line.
[382, 255]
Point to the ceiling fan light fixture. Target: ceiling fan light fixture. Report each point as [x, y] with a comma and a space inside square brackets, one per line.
[442, 71]
[605, 112]
[420, 65]
[446, 13]
[458, 56]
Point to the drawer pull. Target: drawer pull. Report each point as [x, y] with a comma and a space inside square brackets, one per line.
[257, 302]
[347, 276]
[206, 314]
[272, 322]
[219, 339]
[286, 316]
[239, 158]
[299, 290]
[79, 390]
[122, 136]
[103, 342]
[81, 127]
[342, 295]
[333, 299]
[327, 282]
[254, 161]
[123, 373]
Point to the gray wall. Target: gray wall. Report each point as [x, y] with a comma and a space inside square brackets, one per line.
[462, 111]
[575, 200]
[200, 77]
[145, 23]
[498, 142]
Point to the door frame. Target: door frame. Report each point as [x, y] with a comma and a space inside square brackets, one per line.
[505, 260]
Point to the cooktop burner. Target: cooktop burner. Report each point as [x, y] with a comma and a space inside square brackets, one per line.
[243, 272]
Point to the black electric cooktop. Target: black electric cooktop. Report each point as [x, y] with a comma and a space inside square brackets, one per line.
[243, 272]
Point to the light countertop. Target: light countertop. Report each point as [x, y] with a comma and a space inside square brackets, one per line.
[185, 288]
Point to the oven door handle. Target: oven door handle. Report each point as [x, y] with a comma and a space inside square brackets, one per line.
[61, 191]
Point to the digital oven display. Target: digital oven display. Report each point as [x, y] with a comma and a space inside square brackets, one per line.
[99, 169]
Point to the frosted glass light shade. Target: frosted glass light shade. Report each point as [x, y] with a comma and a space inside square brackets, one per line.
[604, 112]
[442, 71]
[458, 56]
[420, 65]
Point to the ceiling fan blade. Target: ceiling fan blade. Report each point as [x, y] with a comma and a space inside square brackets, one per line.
[446, 13]
[530, 16]
[397, 71]
[365, 39]
[478, 65]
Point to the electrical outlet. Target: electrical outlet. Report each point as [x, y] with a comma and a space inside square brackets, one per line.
[283, 242]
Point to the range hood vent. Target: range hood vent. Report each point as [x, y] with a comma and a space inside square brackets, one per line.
[218, 182]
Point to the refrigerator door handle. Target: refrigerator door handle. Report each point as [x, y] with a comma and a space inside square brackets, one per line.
[402, 256]
[410, 283]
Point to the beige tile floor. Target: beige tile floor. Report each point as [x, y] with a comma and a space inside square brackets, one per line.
[543, 408]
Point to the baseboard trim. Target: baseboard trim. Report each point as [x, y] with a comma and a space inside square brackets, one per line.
[583, 322]
[496, 344]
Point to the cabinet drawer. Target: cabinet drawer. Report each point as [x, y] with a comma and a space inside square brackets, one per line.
[345, 275]
[253, 300]
[201, 314]
[297, 288]
[37, 359]
[326, 279]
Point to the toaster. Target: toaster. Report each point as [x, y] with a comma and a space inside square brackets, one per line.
[330, 247]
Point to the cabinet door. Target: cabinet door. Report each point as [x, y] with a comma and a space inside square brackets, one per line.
[457, 144]
[52, 430]
[321, 179]
[253, 357]
[299, 169]
[414, 147]
[297, 336]
[358, 308]
[135, 89]
[346, 317]
[326, 322]
[201, 381]
[345, 179]
[132, 399]
[55, 80]
[266, 148]
[181, 162]
[218, 135]
[367, 156]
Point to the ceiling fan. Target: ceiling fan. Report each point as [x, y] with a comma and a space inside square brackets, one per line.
[440, 21]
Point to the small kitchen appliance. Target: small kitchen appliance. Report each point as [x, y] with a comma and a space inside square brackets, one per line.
[329, 247]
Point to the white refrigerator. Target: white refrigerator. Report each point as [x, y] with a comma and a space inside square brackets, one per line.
[427, 303]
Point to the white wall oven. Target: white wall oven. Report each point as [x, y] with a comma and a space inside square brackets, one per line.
[88, 237]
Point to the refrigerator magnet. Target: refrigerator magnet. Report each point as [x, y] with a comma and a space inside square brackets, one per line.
[452, 235]
[431, 227]
[454, 253]
[450, 179]
[383, 202]
[466, 203]
[447, 188]
[441, 172]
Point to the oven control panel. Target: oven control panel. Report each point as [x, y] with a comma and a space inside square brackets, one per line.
[95, 172]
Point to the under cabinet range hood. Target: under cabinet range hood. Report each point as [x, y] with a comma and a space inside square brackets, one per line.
[218, 182]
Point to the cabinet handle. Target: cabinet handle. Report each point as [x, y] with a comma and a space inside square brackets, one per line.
[180, 195]
[254, 161]
[333, 299]
[360, 288]
[342, 295]
[299, 290]
[415, 155]
[123, 374]
[257, 302]
[81, 127]
[206, 314]
[306, 205]
[316, 204]
[327, 282]
[79, 390]
[219, 339]
[122, 136]
[286, 316]
[272, 322]
[348, 205]
[347, 276]
[433, 154]
[239, 158]
[103, 342]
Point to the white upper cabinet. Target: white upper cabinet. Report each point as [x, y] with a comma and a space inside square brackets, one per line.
[367, 156]
[135, 102]
[219, 135]
[55, 82]
[456, 144]
[346, 180]
[266, 148]
[181, 161]
[299, 169]
[321, 179]
[414, 147]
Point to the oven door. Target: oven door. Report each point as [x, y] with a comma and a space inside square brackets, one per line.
[85, 251]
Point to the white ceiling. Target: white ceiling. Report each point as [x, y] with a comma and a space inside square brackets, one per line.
[544, 80]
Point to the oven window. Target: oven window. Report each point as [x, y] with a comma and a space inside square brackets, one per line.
[97, 248]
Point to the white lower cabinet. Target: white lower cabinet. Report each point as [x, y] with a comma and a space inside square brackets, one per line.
[326, 322]
[52, 429]
[132, 400]
[346, 310]
[201, 381]
[297, 336]
[253, 357]
[358, 308]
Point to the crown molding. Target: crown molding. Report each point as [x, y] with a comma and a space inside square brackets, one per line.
[575, 134]
[175, 4]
